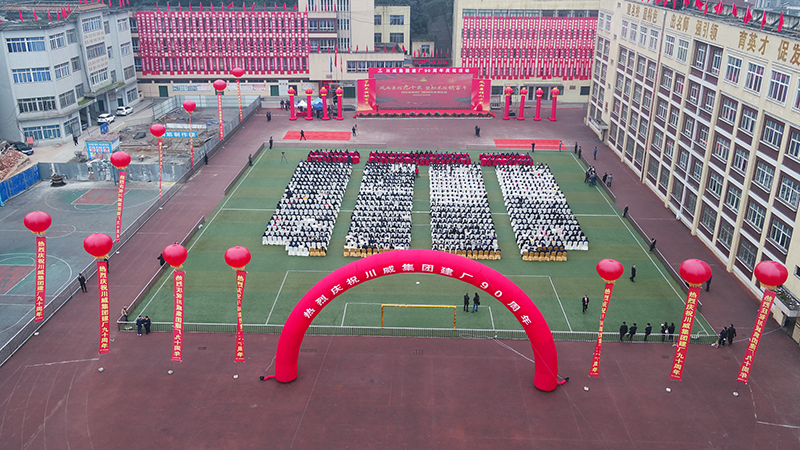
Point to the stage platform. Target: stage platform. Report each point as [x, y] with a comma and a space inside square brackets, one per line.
[410, 113]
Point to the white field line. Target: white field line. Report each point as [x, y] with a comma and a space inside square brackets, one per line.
[554, 292]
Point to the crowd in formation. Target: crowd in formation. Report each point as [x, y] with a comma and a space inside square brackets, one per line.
[419, 158]
[381, 219]
[461, 221]
[306, 213]
[326, 155]
[505, 159]
[543, 223]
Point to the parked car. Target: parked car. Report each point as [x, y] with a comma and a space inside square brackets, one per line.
[124, 111]
[105, 118]
[22, 147]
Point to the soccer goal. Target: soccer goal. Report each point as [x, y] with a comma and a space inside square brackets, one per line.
[391, 305]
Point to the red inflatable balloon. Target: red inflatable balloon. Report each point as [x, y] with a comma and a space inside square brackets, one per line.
[309, 91]
[37, 221]
[323, 92]
[339, 91]
[174, 255]
[237, 257]
[237, 72]
[771, 273]
[610, 270]
[98, 245]
[189, 106]
[220, 85]
[120, 159]
[695, 271]
[291, 91]
[158, 130]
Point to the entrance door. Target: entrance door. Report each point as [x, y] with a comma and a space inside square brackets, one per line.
[101, 105]
[163, 92]
[120, 101]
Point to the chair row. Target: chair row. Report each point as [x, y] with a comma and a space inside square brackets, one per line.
[350, 252]
[476, 254]
[544, 256]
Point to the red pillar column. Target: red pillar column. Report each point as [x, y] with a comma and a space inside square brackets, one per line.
[539, 93]
[508, 91]
[339, 92]
[324, 94]
[522, 94]
[554, 93]
[309, 91]
[291, 105]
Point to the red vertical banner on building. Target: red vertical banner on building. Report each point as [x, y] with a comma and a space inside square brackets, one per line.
[102, 282]
[177, 321]
[595, 370]
[685, 332]
[366, 94]
[241, 275]
[120, 198]
[481, 94]
[758, 330]
[41, 277]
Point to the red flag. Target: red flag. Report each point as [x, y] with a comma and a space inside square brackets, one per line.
[58, 16]
[356, 47]
[48, 16]
[201, 6]
[157, 10]
[167, 6]
[244, 6]
[20, 16]
[295, 6]
[747, 15]
[211, 4]
[705, 10]
[404, 47]
[230, 5]
[180, 8]
[686, 2]
[384, 48]
[698, 4]
[734, 12]
[284, 6]
[120, 3]
[780, 22]
[34, 15]
[276, 5]
[222, 6]
[763, 20]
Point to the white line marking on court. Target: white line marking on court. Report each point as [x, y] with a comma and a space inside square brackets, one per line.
[276, 298]
[595, 215]
[344, 313]
[554, 291]
[778, 425]
[62, 362]
[491, 317]
[249, 209]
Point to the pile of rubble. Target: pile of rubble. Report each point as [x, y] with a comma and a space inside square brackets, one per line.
[10, 160]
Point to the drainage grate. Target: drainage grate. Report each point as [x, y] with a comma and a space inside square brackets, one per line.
[417, 351]
[202, 348]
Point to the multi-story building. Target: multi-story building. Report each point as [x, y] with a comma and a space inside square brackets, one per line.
[520, 43]
[393, 26]
[706, 110]
[58, 76]
[319, 44]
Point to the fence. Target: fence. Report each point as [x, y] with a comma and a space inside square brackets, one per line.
[64, 295]
[19, 183]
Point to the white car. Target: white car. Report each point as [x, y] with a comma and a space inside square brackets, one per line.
[105, 118]
[124, 110]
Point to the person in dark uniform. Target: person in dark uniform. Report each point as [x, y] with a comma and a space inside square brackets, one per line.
[82, 281]
[303, 135]
[623, 330]
[671, 330]
[269, 116]
[139, 323]
[282, 104]
[663, 331]
[161, 260]
[731, 334]
[633, 272]
[632, 331]
[533, 146]
[476, 302]
[576, 148]
[466, 302]
[723, 336]
[270, 142]
[250, 159]
[354, 130]
[652, 245]
[147, 324]
[585, 303]
[647, 330]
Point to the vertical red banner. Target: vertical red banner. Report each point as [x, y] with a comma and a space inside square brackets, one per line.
[240, 278]
[595, 370]
[219, 117]
[177, 321]
[685, 333]
[120, 198]
[239, 92]
[102, 282]
[160, 163]
[41, 277]
[758, 330]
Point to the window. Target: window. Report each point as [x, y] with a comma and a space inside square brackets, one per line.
[661, 109]
[679, 83]
[778, 86]
[396, 20]
[734, 197]
[715, 183]
[634, 31]
[617, 105]
[132, 95]
[740, 160]
[135, 43]
[70, 124]
[764, 175]
[780, 234]
[700, 56]
[61, 70]
[708, 218]
[691, 202]
[683, 50]
[702, 135]
[43, 132]
[773, 133]
[623, 32]
[643, 128]
[620, 80]
[748, 122]
[677, 189]
[98, 77]
[716, 61]
[378, 38]
[122, 24]
[125, 49]
[673, 117]
[755, 74]
[637, 93]
[72, 37]
[643, 36]
[747, 254]
[652, 168]
[36, 104]
[663, 180]
[725, 235]
[653, 44]
[694, 93]
[31, 44]
[128, 72]
[634, 121]
[683, 159]
[647, 100]
[106, 28]
[76, 64]
[708, 102]
[629, 147]
[794, 145]
[790, 191]
[688, 127]
[396, 37]
[666, 79]
[79, 91]
[31, 75]
[58, 41]
[95, 51]
[722, 148]
[651, 70]
[756, 215]
[627, 90]
[640, 66]
[658, 140]
[668, 147]
[697, 169]
[669, 45]
[110, 52]
[377, 19]
[91, 24]
[67, 98]
[728, 113]
[734, 69]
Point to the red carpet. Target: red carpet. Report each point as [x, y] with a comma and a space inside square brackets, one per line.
[319, 135]
[541, 144]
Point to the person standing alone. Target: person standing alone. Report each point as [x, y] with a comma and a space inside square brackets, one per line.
[466, 302]
[731, 334]
[633, 272]
[82, 281]
[623, 330]
[585, 303]
[595, 154]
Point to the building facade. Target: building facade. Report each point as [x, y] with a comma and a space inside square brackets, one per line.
[706, 110]
[393, 26]
[322, 43]
[519, 43]
[57, 77]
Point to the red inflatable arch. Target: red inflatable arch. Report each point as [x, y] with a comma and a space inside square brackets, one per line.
[419, 261]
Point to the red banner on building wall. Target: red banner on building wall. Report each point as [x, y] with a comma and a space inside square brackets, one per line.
[102, 282]
[120, 198]
[240, 278]
[685, 333]
[595, 370]
[177, 321]
[41, 277]
[366, 94]
[758, 330]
